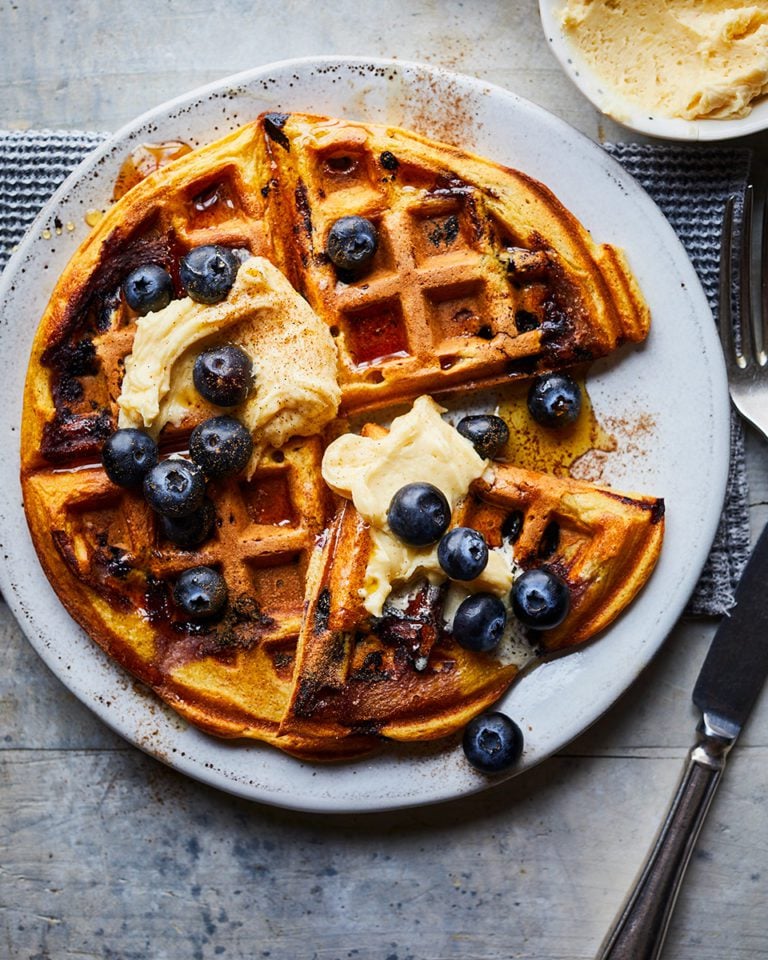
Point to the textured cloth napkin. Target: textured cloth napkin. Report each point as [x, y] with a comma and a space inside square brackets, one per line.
[690, 185]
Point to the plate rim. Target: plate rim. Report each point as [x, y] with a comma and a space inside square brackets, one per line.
[665, 621]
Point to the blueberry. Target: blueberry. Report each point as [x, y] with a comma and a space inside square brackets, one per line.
[148, 288]
[352, 242]
[207, 273]
[223, 375]
[463, 553]
[190, 531]
[492, 742]
[479, 622]
[488, 434]
[201, 592]
[127, 456]
[540, 599]
[554, 400]
[419, 514]
[175, 487]
[221, 446]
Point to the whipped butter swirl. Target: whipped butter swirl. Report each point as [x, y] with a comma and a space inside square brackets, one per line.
[296, 392]
[695, 59]
[420, 446]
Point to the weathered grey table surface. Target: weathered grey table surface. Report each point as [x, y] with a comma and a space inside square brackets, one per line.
[107, 853]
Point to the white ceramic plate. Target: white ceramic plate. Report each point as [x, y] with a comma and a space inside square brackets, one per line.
[667, 400]
[630, 115]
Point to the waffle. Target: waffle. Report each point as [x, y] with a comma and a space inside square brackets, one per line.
[112, 569]
[404, 677]
[480, 277]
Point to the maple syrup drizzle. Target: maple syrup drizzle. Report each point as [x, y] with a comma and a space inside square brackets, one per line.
[376, 334]
[144, 160]
[93, 217]
[545, 449]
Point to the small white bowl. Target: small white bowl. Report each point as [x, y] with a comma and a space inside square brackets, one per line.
[630, 115]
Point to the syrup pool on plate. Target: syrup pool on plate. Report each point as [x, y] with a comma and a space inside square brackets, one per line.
[144, 160]
[548, 449]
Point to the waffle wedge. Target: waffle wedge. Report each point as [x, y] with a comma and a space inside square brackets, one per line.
[480, 277]
[481, 274]
[402, 675]
[104, 553]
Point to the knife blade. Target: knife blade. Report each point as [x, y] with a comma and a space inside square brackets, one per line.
[729, 683]
[736, 665]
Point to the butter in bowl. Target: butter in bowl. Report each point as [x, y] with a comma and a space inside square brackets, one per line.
[674, 69]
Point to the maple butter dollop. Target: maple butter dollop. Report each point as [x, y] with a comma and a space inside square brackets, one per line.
[676, 58]
[295, 392]
[419, 447]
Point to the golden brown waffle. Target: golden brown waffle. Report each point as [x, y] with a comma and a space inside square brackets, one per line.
[76, 368]
[113, 571]
[481, 276]
[603, 543]
[404, 677]
[399, 676]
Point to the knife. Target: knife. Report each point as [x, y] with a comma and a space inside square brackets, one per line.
[728, 685]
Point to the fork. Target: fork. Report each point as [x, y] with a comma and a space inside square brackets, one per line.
[746, 348]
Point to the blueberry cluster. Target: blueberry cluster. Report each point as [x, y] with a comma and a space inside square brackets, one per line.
[176, 488]
[540, 600]
[419, 514]
[206, 274]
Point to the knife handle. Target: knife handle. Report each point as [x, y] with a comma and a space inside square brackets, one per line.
[642, 925]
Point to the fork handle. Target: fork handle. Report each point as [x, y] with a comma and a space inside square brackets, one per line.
[642, 925]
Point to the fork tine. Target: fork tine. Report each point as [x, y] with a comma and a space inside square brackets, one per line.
[764, 280]
[749, 328]
[726, 279]
[747, 369]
